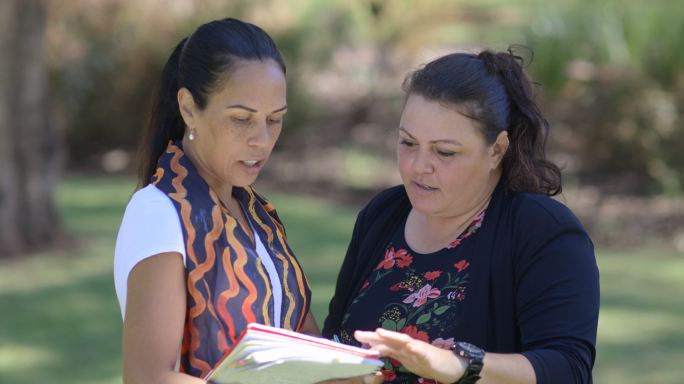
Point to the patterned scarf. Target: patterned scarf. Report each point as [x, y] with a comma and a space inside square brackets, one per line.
[227, 284]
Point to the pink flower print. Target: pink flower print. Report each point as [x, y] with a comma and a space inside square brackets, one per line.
[388, 261]
[400, 257]
[441, 343]
[462, 265]
[432, 275]
[419, 298]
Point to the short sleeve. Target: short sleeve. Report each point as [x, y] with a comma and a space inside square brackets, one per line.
[150, 226]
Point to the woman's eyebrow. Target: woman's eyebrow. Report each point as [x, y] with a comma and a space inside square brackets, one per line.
[240, 106]
[283, 108]
[446, 141]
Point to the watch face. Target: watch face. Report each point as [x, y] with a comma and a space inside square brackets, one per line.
[467, 347]
[470, 349]
[475, 357]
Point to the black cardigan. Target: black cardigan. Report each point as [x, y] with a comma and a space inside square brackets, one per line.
[535, 283]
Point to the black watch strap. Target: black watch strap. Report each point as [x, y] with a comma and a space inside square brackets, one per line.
[474, 356]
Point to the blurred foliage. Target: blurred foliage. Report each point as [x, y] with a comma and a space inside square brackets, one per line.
[612, 72]
[623, 33]
[106, 58]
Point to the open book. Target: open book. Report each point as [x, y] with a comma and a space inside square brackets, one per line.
[265, 354]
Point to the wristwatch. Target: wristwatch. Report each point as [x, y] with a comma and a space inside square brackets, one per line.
[475, 356]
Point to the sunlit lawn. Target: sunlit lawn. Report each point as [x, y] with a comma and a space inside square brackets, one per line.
[60, 322]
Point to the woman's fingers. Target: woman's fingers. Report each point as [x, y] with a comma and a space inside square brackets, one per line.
[366, 336]
[385, 350]
[376, 378]
[383, 336]
[396, 339]
[415, 355]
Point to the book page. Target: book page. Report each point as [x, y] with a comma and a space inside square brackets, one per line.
[293, 372]
[267, 354]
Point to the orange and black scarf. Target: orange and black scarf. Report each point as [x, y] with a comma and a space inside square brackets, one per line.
[227, 285]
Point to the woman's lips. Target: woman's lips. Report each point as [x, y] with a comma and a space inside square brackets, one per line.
[252, 166]
[424, 187]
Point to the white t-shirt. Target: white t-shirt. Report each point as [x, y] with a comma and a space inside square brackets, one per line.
[151, 226]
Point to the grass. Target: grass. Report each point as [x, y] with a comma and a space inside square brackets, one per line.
[60, 322]
[641, 337]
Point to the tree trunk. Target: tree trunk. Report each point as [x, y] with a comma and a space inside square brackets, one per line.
[29, 148]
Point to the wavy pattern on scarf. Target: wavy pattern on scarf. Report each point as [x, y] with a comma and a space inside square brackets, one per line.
[302, 283]
[286, 322]
[209, 240]
[199, 304]
[227, 285]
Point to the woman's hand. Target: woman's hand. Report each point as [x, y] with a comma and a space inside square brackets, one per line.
[417, 356]
[375, 378]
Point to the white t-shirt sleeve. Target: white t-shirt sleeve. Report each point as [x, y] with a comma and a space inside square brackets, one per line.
[150, 226]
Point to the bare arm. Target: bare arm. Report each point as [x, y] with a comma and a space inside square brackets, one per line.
[443, 365]
[507, 368]
[154, 320]
[310, 327]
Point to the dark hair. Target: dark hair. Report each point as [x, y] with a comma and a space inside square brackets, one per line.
[200, 63]
[493, 89]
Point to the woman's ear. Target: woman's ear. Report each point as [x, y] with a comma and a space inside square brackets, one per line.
[188, 108]
[498, 150]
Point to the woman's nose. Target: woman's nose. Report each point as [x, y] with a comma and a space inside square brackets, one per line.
[261, 136]
[422, 163]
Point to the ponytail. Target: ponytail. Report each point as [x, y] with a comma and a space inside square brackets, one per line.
[525, 164]
[200, 64]
[165, 121]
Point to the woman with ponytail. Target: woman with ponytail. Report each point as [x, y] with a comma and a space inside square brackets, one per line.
[470, 271]
[200, 254]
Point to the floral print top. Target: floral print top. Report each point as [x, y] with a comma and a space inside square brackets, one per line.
[412, 293]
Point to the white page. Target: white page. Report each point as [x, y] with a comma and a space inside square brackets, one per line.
[293, 372]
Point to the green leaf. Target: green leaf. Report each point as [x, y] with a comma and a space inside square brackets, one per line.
[441, 309]
[389, 324]
[424, 318]
[401, 323]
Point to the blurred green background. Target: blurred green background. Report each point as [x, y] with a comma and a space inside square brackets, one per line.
[611, 77]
